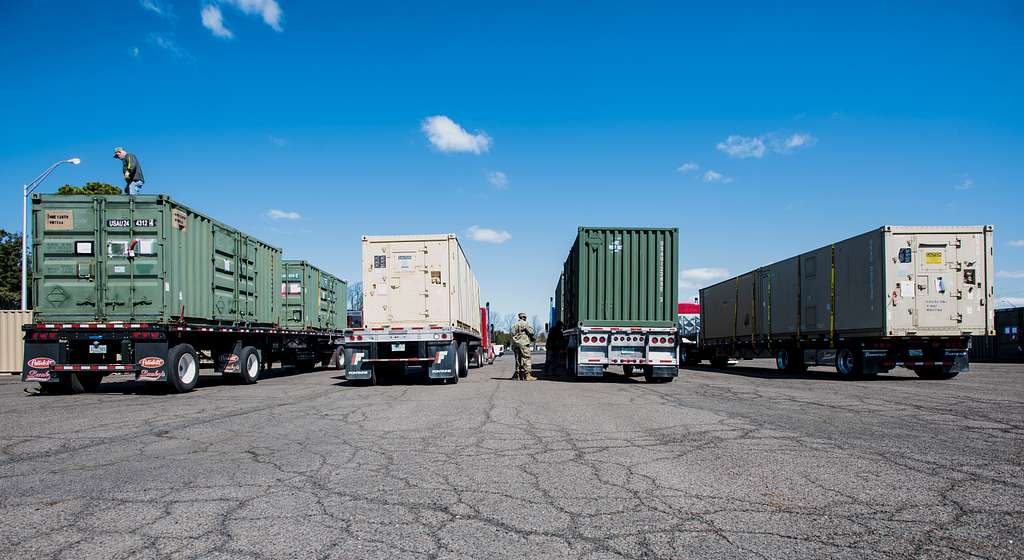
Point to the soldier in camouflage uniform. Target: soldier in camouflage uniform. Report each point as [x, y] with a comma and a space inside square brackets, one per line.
[522, 339]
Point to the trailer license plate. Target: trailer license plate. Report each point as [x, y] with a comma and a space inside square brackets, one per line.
[398, 348]
[98, 349]
[627, 351]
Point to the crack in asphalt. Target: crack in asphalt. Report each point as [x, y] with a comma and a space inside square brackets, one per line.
[730, 464]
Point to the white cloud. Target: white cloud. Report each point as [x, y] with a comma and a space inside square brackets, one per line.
[446, 135]
[283, 215]
[1010, 274]
[965, 185]
[1004, 302]
[712, 176]
[158, 7]
[269, 10]
[1017, 243]
[488, 235]
[694, 278]
[794, 142]
[277, 141]
[213, 20]
[736, 146]
[498, 179]
[135, 52]
[166, 42]
[688, 167]
[213, 17]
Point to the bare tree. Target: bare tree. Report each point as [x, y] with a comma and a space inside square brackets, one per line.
[355, 296]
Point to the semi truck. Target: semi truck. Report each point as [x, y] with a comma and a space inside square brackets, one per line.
[615, 304]
[421, 311]
[894, 296]
[145, 288]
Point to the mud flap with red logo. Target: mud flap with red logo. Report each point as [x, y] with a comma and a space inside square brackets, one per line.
[40, 357]
[443, 366]
[228, 362]
[151, 361]
[355, 368]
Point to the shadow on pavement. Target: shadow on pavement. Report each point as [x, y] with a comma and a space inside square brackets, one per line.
[768, 373]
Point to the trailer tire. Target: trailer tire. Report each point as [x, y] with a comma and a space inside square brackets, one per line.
[570, 363]
[849, 363]
[788, 360]
[183, 373]
[627, 369]
[687, 357]
[249, 366]
[463, 359]
[936, 372]
[719, 361]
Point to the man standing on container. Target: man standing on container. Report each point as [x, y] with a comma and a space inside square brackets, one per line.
[133, 178]
[522, 340]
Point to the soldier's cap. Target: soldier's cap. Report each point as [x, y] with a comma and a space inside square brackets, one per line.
[118, 149]
[522, 315]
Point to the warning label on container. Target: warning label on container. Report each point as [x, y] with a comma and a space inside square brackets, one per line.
[180, 219]
[933, 257]
[59, 220]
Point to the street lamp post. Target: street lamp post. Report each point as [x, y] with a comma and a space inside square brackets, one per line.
[26, 190]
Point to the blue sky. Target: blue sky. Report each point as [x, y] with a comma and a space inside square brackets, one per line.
[807, 122]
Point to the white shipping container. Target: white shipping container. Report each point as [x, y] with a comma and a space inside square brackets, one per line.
[419, 281]
[12, 340]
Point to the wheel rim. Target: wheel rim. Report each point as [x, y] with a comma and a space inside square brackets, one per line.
[844, 361]
[252, 366]
[782, 360]
[187, 368]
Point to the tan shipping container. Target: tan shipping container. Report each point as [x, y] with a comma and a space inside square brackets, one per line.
[419, 281]
[892, 281]
[12, 340]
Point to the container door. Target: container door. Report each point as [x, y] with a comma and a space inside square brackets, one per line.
[67, 249]
[936, 283]
[409, 282]
[225, 267]
[968, 278]
[132, 273]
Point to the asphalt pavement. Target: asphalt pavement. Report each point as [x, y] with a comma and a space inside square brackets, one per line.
[737, 463]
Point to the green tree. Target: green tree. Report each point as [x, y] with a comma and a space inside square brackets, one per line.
[92, 187]
[10, 270]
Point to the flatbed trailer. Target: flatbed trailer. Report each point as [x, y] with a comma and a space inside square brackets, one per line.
[441, 353]
[75, 357]
[615, 304]
[910, 296]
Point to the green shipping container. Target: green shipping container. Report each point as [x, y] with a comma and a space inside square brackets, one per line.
[312, 298]
[147, 259]
[620, 277]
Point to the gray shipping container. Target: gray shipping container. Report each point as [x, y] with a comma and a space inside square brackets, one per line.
[905, 282]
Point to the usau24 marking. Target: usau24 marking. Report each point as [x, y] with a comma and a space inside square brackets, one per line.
[124, 223]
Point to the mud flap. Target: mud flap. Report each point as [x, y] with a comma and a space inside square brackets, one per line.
[961, 361]
[40, 357]
[151, 361]
[355, 368]
[665, 371]
[443, 366]
[229, 362]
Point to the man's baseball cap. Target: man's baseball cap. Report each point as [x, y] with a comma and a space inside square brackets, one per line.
[118, 149]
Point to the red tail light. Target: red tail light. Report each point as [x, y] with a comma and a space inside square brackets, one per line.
[602, 340]
[586, 340]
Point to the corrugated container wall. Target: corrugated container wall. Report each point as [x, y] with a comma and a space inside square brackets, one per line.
[12, 340]
[892, 281]
[419, 280]
[312, 298]
[147, 259]
[622, 277]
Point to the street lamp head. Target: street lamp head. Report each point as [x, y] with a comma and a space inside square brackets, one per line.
[74, 161]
